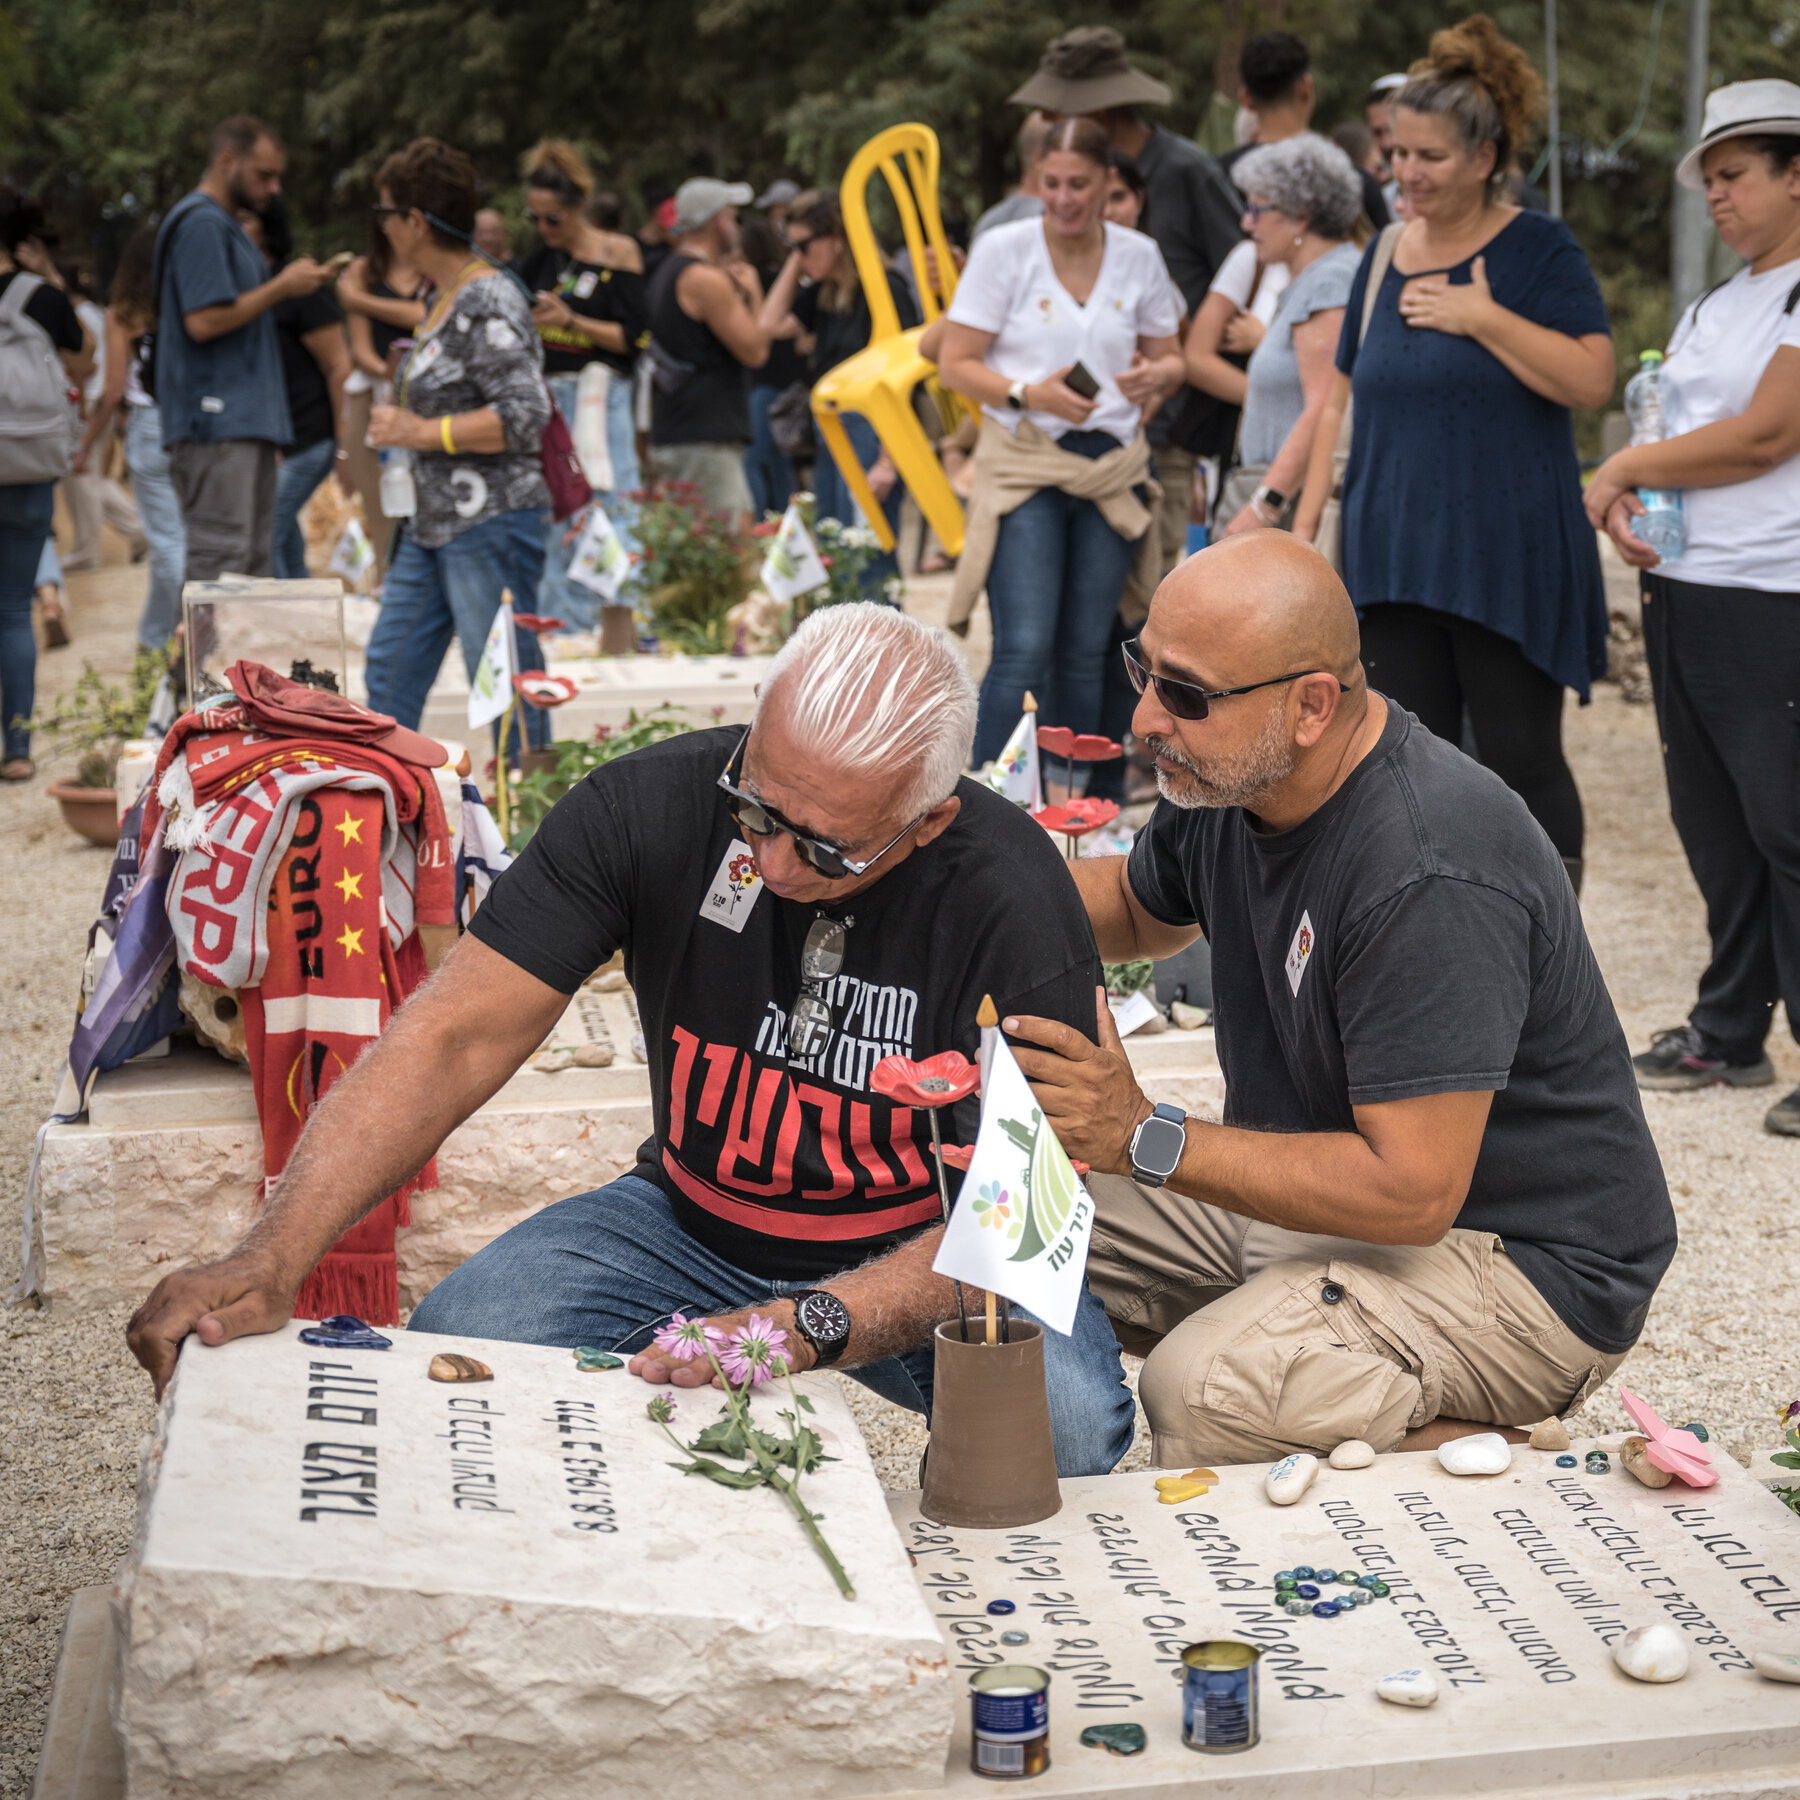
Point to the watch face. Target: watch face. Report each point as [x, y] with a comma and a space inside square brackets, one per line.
[825, 1317]
[1159, 1145]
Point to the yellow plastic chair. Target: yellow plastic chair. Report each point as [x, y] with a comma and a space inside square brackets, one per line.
[882, 381]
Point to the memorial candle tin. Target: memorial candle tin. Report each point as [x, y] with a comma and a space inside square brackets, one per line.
[1011, 1736]
[1218, 1696]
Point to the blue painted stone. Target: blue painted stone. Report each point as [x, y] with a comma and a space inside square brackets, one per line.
[1001, 1607]
[1303, 1571]
[1565, 1462]
[344, 1331]
[1324, 1575]
[1307, 1591]
[1326, 1609]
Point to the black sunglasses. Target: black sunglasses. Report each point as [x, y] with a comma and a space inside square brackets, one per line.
[755, 819]
[545, 218]
[382, 210]
[1187, 699]
[802, 243]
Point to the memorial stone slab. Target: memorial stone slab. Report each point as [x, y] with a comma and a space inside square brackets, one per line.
[348, 1579]
[1509, 1588]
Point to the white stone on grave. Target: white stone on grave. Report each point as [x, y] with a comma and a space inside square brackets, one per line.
[350, 1580]
[1509, 1588]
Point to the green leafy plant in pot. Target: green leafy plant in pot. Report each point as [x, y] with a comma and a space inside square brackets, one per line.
[692, 568]
[93, 721]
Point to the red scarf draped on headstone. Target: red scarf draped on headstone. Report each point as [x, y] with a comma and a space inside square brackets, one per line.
[331, 985]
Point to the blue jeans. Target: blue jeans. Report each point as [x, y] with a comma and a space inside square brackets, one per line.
[27, 512]
[557, 596]
[160, 514]
[1053, 590]
[431, 596]
[608, 1267]
[835, 502]
[301, 471]
[766, 467]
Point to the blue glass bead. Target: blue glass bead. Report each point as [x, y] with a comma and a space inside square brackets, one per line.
[1565, 1462]
[1324, 1575]
[1303, 1572]
[1001, 1606]
[1368, 1581]
[1014, 1637]
[344, 1331]
[1307, 1591]
[1282, 1575]
[1296, 1608]
[1326, 1609]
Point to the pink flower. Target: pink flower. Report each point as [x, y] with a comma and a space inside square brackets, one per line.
[755, 1353]
[684, 1338]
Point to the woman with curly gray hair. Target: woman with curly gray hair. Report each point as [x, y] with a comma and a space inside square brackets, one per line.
[1305, 205]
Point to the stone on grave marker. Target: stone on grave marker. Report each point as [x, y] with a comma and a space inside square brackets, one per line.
[349, 1579]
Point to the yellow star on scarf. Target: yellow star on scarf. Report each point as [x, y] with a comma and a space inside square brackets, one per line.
[350, 886]
[352, 830]
[351, 942]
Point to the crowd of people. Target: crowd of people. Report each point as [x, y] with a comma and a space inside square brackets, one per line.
[1375, 340]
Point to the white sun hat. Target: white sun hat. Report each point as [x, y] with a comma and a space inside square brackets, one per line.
[1742, 109]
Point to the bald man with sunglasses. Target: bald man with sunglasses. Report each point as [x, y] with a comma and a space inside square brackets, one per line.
[1434, 1206]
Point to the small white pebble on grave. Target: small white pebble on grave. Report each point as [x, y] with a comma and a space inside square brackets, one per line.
[1484, 1453]
[1777, 1665]
[1652, 1653]
[1352, 1453]
[1288, 1479]
[1408, 1687]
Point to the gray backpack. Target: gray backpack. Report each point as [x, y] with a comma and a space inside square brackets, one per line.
[36, 424]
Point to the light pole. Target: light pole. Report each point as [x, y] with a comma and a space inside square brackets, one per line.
[1555, 108]
[1687, 247]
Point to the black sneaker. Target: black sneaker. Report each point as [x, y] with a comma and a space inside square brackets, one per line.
[1685, 1058]
[1783, 1118]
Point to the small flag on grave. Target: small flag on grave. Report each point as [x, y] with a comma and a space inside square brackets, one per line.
[491, 692]
[599, 562]
[1022, 1223]
[1014, 773]
[791, 566]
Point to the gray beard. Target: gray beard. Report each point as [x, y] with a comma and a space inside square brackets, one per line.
[1265, 764]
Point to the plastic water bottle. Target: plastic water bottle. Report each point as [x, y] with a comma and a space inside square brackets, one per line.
[1664, 525]
[399, 496]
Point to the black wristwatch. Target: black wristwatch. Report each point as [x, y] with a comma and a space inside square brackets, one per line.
[824, 1321]
[1157, 1146]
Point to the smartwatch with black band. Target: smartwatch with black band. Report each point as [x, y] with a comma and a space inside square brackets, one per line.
[1157, 1146]
[824, 1321]
[1015, 396]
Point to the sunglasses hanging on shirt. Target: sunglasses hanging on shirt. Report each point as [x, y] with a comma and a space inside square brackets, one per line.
[821, 959]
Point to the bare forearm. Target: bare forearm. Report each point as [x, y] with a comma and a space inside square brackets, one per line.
[1123, 931]
[1212, 374]
[210, 322]
[1718, 455]
[894, 1303]
[1549, 362]
[1319, 463]
[1289, 468]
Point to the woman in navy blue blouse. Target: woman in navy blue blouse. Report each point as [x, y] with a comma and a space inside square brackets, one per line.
[1466, 549]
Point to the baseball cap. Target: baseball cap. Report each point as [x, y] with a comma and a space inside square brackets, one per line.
[779, 193]
[700, 201]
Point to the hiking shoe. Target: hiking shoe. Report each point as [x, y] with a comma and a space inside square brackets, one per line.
[1685, 1058]
[1783, 1118]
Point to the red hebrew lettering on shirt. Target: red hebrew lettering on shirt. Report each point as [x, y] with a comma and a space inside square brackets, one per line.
[685, 1046]
[749, 1148]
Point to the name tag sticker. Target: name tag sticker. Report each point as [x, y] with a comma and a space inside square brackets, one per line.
[1299, 951]
[585, 283]
[210, 403]
[426, 355]
[734, 888]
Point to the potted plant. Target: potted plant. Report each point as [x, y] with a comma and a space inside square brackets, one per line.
[539, 789]
[94, 720]
[692, 568]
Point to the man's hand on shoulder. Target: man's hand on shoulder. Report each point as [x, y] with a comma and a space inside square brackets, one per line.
[662, 1368]
[238, 1297]
[1089, 1092]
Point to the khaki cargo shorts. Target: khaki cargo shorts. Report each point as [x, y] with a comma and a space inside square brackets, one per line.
[1274, 1340]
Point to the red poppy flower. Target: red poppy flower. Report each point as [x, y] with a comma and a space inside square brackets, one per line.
[536, 688]
[1060, 741]
[536, 622]
[937, 1081]
[767, 528]
[1076, 818]
[959, 1156]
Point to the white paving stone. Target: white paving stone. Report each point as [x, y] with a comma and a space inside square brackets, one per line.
[349, 1580]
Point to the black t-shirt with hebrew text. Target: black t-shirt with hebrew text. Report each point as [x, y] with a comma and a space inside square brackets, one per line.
[1418, 935]
[789, 1171]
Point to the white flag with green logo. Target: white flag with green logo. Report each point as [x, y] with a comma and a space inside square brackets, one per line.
[1022, 1223]
[791, 566]
[492, 689]
[599, 561]
[1015, 773]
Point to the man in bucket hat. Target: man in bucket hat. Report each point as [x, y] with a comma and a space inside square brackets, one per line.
[1190, 208]
[704, 335]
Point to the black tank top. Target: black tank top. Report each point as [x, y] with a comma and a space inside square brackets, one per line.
[701, 392]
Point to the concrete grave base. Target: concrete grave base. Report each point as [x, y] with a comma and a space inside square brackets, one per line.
[1509, 1588]
[350, 1579]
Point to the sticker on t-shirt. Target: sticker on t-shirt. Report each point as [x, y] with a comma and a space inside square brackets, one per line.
[426, 354]
[585, 283]
[734, 889]
[1299, 951]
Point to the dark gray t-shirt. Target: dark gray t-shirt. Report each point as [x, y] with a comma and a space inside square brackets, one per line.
[1418, 935]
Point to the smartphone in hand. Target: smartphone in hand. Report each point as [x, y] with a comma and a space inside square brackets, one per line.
[341, 261]
[1081, 380]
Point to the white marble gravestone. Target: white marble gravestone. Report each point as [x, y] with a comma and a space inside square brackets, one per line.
[1508, 1587]
[350, 1580]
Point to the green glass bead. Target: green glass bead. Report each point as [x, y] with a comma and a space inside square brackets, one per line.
[588, 1360]
[1121, 1740]
[1285, 1584]
[1698, 1430]
[1348, 1577]
[1380, 1590]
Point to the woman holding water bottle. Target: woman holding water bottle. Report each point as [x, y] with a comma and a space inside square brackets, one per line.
[1706, 501]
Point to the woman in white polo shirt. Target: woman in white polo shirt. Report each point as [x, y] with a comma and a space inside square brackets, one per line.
[1722, 621]
[1058, 510]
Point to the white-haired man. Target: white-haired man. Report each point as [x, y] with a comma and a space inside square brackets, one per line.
[794, 903]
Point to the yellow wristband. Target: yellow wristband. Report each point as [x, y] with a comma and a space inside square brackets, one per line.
[444, 433]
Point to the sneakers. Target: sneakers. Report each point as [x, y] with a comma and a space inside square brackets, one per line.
[1684, 1058]
[1783, 1118]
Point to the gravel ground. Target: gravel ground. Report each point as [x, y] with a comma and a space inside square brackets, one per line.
[78, 1407]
